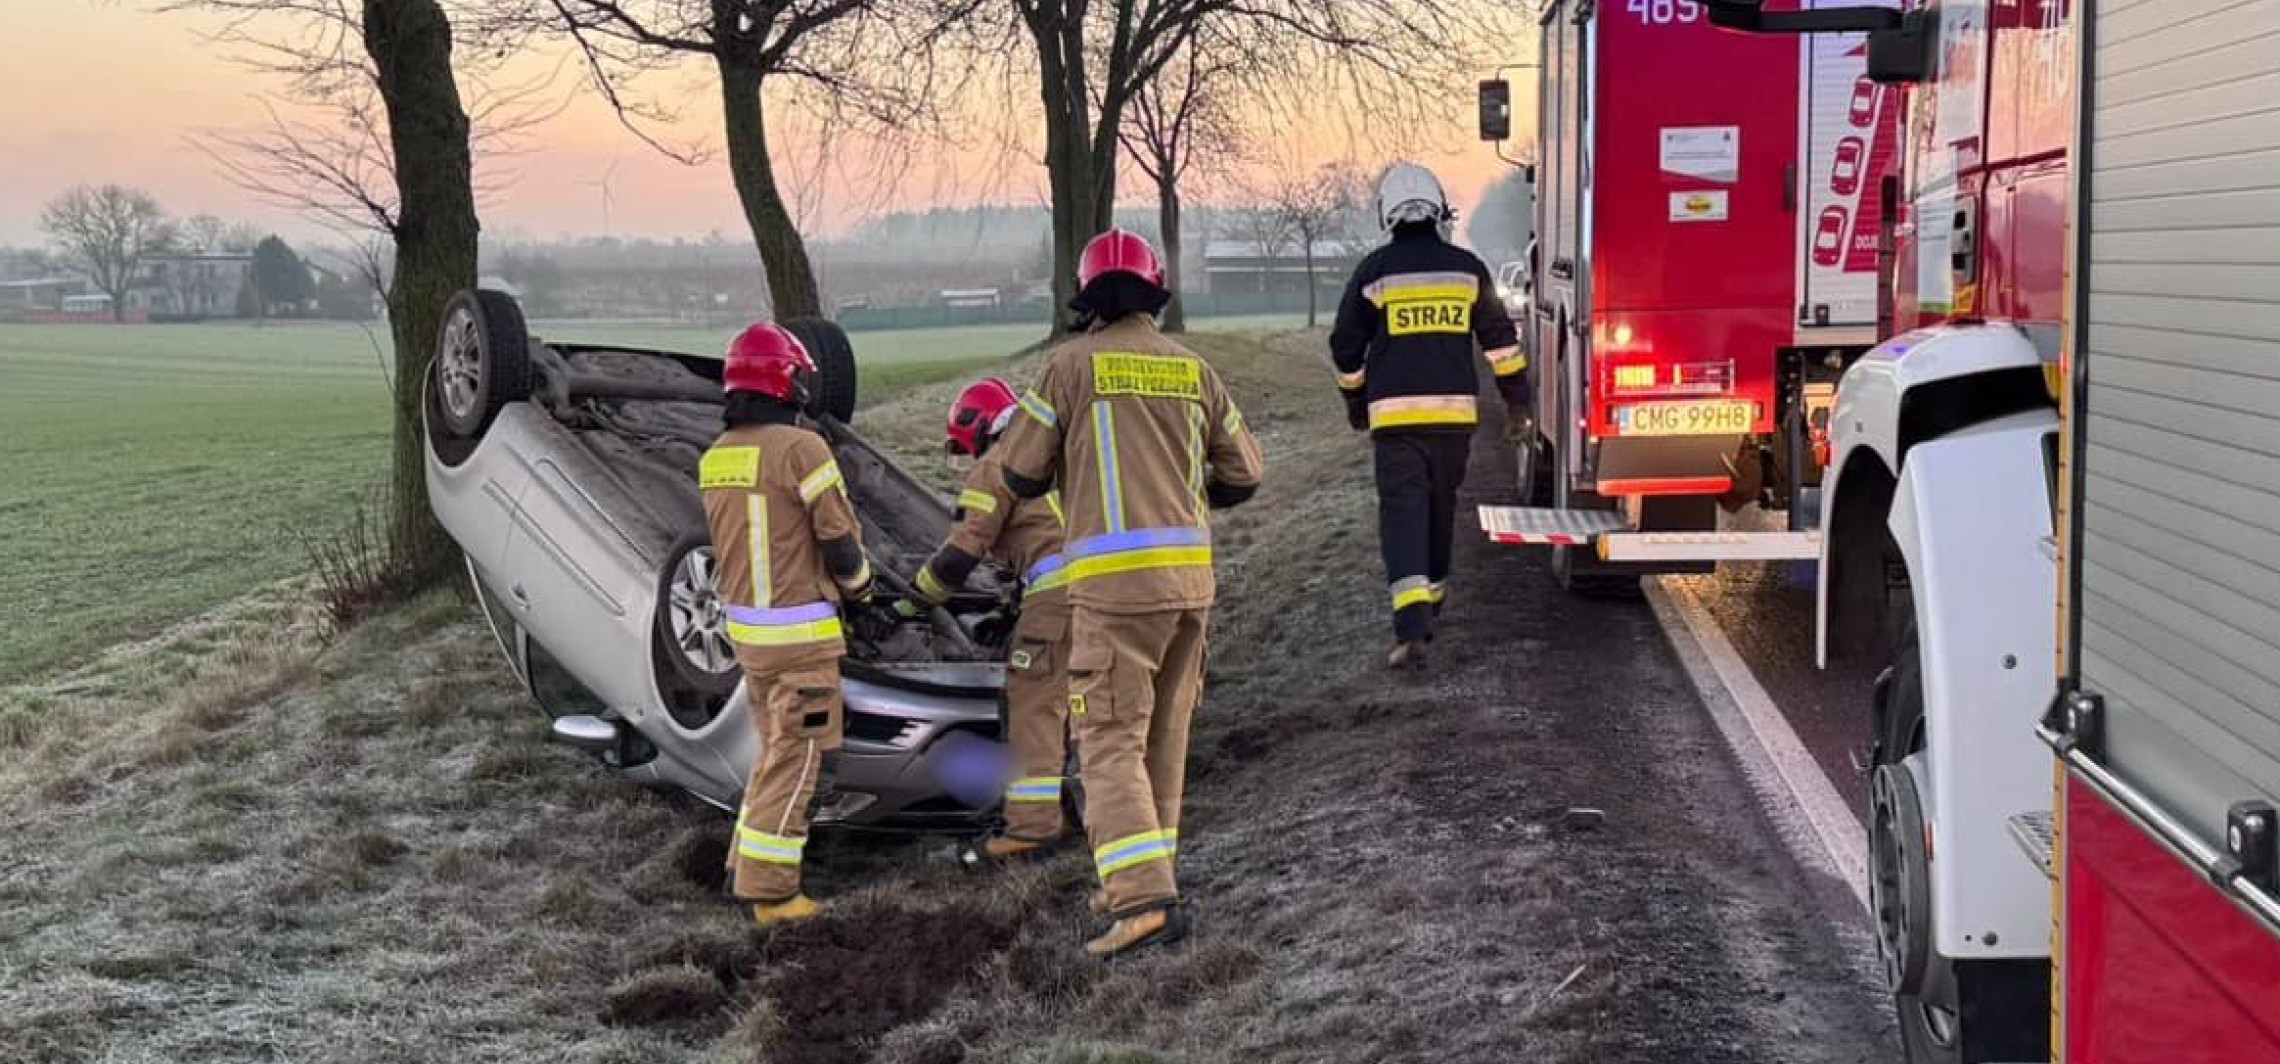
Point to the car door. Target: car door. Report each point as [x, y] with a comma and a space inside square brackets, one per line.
[583, 587]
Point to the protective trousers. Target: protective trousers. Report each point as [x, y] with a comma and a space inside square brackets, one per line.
[1037, 725]
[1134, 681]
[796, 713]
[1418, 474]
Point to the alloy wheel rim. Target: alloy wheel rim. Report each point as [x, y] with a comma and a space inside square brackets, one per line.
[700, 628]
[460, 365]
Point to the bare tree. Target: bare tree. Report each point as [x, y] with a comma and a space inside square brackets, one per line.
[862, 59]
[1318, 206]
[1180, 122]
[395, 156]
[201, 232]
[1389, 57]
[105, 232]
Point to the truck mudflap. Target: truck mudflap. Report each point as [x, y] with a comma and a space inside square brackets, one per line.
[1611, 535]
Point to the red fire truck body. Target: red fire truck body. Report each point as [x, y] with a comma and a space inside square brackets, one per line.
[1982, 211]
[1706, 261]
[2167, 725]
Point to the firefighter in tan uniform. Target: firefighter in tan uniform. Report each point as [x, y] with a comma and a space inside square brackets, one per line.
[789, 551]
[1024, 535]
[1143, 438]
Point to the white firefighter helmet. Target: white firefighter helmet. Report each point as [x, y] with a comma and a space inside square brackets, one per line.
[1410, 193]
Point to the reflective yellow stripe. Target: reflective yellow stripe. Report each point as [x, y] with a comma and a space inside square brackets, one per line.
[1195, 456]
[1053, 502]
[1507, 361]
[1413, 292]
[756, 541]
[1411, 591]
[1135, 849]
[1422, 284]
[779, 635]
[1055, 580]
[1408, 410]
[1440, 592]
[729, 467]
[1111, 480]
[766, 848]
[1353, 381]
[1036, 406]
[1135, 560]
[977, 500]
[1234, 422]
[825, 477]
[930, 585]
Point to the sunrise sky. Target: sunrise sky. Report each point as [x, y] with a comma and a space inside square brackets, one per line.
[112, 90]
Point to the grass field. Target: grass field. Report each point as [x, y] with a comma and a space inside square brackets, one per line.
[148, 473]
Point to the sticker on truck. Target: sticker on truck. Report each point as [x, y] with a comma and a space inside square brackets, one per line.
[1705, 153]
[1705, 206]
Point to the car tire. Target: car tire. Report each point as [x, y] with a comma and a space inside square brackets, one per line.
[482, 361]
[832, 393]
[1950, 1011]
[694, 657]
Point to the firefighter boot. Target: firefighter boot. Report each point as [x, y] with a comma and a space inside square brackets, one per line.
[1407, 654]
[1156, 927]
[791, 910]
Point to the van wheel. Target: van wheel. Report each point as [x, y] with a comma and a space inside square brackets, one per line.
[1950, 1011]
[832, 393]
[482, 360]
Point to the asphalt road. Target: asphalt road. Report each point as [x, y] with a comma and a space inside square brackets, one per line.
[1765, 609]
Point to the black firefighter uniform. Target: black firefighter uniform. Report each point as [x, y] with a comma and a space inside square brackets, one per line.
[1144, 440]
[1412, 317]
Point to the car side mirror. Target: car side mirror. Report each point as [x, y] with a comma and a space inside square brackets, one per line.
[1496, 110]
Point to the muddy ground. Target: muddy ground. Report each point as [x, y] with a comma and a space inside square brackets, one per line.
[232, 846]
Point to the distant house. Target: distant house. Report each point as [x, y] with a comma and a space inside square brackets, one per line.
[39, 293]
[1245, 267]
[192, 284]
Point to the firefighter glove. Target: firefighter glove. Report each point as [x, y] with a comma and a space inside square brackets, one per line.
[1357, 409]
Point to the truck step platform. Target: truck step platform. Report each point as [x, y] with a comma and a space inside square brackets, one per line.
[1559, 528]
[2033, 832]
[1610, 532]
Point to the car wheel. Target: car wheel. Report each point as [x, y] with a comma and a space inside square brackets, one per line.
[695, 657]
[832, 393]
[1950, 1011]
[482, 360]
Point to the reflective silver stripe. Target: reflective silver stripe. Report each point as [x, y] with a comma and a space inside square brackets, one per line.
[1426, 284]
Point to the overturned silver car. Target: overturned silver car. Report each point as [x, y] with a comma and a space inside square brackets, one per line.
[567, 473]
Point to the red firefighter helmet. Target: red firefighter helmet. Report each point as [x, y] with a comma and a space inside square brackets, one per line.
[1119, 251]
[766, 358]
[978, 414]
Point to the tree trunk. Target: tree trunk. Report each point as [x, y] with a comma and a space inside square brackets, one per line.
[1080, 165]
[792, 291]
[1310, 286]
[436, 232]
[1168, 221]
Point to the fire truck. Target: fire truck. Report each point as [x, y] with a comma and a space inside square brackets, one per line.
[1705, 267]
[2103, 447]
[2166, 725]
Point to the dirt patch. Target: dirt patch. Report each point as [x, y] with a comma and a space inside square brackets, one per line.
[842, 981]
